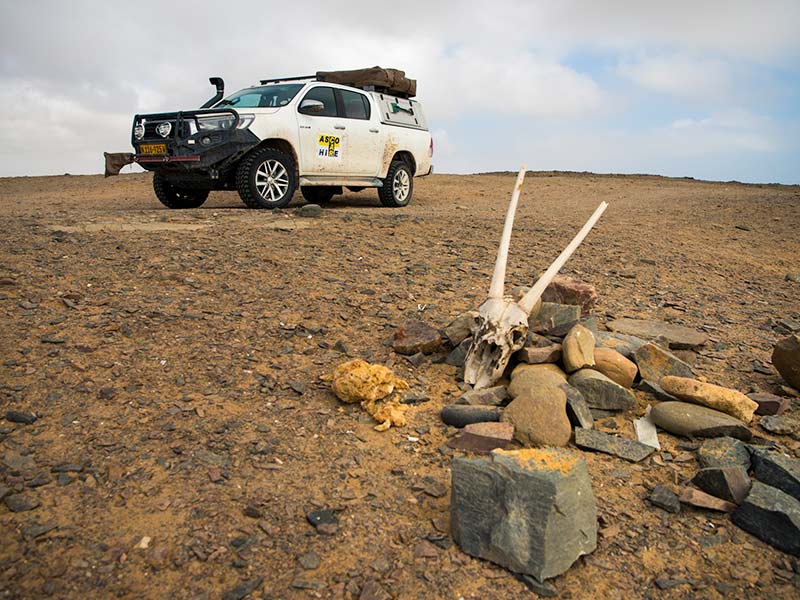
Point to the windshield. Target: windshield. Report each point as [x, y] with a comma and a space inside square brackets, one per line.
[263, 97]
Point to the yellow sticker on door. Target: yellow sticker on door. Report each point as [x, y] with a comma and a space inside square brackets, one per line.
[329, 146]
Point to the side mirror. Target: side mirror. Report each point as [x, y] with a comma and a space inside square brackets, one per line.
[311, 107]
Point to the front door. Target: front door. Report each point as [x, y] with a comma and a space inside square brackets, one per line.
[323, 136]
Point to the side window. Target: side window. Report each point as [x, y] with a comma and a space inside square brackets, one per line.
[326, 96]
[356, 106]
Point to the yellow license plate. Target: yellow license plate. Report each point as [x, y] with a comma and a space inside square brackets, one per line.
[153, 149]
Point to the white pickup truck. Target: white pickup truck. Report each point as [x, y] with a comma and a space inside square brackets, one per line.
[266, 140]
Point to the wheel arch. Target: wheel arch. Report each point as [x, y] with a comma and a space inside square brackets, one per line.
[405, 156]
[281, 144]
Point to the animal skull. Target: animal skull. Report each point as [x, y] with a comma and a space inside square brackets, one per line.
[502, 325]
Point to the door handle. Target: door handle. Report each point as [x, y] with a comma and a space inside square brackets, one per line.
[339, 127]
[374, 130]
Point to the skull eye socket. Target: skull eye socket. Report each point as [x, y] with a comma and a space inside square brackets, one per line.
[516, 336]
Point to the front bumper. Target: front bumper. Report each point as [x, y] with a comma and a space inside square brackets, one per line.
[185, 150]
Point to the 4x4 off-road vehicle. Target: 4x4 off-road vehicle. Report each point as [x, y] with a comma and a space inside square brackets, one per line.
[353, 129]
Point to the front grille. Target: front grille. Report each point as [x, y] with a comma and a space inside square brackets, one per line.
[182, 127]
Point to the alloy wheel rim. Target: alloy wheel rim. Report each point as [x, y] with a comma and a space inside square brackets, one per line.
[272, 180]
[401, 185]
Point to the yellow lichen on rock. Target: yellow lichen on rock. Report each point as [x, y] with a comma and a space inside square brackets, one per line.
[368, 384]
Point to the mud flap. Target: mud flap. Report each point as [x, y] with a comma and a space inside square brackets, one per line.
[115, 161]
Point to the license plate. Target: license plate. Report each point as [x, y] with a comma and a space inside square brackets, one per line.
[153, 149]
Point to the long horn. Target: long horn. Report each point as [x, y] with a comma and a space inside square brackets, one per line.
[499, 275]
[532, 297]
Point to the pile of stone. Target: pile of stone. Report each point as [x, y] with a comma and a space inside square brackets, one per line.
[571, 372]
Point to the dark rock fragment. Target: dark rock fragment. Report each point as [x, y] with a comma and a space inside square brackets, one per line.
[16, 416]
[459, 415]
[729, 483]
[778, 471]
[772, 516]
[591, 439]
[665, 498]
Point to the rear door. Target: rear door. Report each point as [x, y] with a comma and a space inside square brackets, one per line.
[362, 134]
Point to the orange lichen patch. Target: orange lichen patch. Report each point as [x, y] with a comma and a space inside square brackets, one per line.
[551, 459]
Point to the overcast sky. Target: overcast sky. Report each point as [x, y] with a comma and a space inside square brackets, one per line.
[708, 89]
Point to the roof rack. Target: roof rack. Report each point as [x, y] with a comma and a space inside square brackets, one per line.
[264, 81]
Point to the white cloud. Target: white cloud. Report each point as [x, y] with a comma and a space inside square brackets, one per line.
[681, 75]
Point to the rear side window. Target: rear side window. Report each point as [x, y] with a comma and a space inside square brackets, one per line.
[356, 106]
[326, 96]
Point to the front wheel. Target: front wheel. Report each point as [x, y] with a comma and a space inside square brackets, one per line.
[398, 186]
[266, 179]
[173, 196]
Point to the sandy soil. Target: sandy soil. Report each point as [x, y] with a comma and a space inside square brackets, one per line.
[174, 360]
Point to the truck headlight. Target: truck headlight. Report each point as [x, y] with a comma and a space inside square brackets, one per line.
[217, 122]
[138, 131]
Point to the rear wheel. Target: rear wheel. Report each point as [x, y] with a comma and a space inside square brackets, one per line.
[318, 194]
[398, 187]
[173, 196]
[266, 179]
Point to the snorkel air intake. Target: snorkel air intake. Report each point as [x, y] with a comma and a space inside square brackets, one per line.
[220, 85]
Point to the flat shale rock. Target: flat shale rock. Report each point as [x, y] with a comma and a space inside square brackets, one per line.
[729, 483]
[713, 396]
[656, 363]
[578, 411]
[20, 502]
[536, 355]
[482, 438]
[460, 415]
[693, 420]
[415, 336]
[601, 392]
[615, 366]
[678, 337]
[16, 416]
[772, 516]
[494, 396]
[591, 439]
[786, 359]
[777, 425]
[653, 388]
[458, 355]
[461, 327]
[568, 290]
[529, 378]
[577, 350]
[724, 452]
[539, 417]
[552, 316]
[700, 499]
[530, 511]
[778, 471]
[624, 344]
[665, 498]
[769, 404]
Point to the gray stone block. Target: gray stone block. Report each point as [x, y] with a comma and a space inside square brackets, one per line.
[530, 511]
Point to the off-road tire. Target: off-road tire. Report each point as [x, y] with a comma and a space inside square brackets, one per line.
[173, 196]
[318, 194]
[262, 174]
[398, 187]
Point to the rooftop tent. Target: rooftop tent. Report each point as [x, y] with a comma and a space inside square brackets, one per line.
[392, 81]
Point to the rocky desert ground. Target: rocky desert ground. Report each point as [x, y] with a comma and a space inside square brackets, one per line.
[183, 434]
